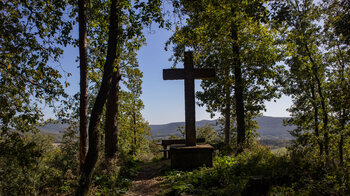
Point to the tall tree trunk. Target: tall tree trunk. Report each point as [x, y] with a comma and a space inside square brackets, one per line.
[317, 134]
[134, 127]
[239, 87]
[111, 135]
[83, 126]
[227, 110]
[341, 144]
[342, 110]
[323, 102]
[239, 106]
[325, 119]
[96, 114]
[227, 117]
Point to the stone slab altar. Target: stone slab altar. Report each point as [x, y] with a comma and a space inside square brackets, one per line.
[190, 157]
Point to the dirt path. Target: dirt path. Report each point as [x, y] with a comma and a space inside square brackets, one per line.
[149, 180]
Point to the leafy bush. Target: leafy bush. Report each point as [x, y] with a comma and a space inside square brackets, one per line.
[114, 179]
[314, 175]
[28, 164]
[229, 175]
[295, 173]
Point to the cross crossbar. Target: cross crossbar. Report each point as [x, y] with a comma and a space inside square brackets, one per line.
[178, 74]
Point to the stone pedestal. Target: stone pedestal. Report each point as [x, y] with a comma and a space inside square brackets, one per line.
[191, 157]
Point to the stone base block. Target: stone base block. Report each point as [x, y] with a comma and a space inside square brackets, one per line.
[191, 157]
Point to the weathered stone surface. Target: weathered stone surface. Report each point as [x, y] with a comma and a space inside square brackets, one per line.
[190, 157]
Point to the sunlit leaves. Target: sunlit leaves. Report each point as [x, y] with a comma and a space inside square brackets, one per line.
[31, 34]
[317, 60]
[208, 31]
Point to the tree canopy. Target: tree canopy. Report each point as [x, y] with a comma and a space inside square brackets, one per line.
[260, 51]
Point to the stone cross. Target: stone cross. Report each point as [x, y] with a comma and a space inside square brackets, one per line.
[189, 74]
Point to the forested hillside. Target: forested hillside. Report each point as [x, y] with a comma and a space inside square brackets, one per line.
[268, 126]
[259, 50]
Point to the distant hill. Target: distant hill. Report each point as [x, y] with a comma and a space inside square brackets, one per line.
[269, 127]
[273, 126]
[53, 128]
[165, 130]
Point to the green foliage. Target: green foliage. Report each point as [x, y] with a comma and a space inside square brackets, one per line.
[310, 175]
[229, 174]
[30, 165]
[318, 74]
[133, 16]
[32, 33]
[338, 10]
[114, 181]
[133, 129]
[207, 132]
[312, 38]
[295, 173]
[209, 31]
[108, 184]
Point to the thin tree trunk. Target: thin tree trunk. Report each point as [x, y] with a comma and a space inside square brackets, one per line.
[317, 134]
[342, 110]
[341, 144]
[323, 103]
[83, 126]
[111, 135]
[96, 114]
[227, 110]
[227, 119]
[239, 87]
[325, 120]
[239, 106]
[134, 119]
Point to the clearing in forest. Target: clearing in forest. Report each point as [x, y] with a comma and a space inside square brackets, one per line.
[149, 179]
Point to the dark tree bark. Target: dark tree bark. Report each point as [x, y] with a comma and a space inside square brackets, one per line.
[342, 110]
[134, 127]
[83, 126]
[96, 114]
[239, 106]
[341, 154]
[111, 137]
[316, 121]
[239, 87]
[325, 117]
[227, 115]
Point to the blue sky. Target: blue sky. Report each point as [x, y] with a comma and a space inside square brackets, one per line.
[163, 100]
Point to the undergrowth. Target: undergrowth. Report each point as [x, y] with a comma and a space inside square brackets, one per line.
[117, 180]
[264, 172]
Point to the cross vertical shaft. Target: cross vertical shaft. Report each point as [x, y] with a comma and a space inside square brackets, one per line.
[190, 114]
[189, 74]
